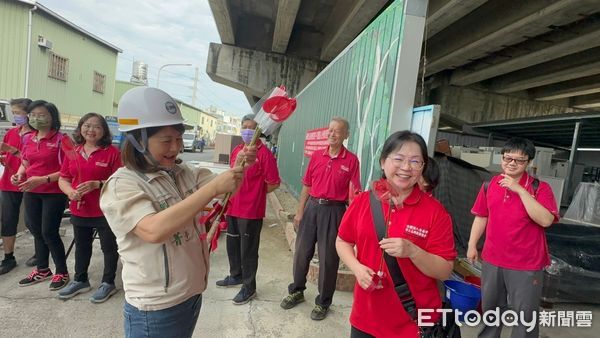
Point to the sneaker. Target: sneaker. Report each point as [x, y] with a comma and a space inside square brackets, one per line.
[319, 313]
[244, 296]
[7, 265]
[73, 289]
[229, 281]
[59, 281]
[35, 277]
[103, 293]
[292, 300]
[32, 261]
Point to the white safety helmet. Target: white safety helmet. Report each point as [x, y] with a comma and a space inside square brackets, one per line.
[145, 107]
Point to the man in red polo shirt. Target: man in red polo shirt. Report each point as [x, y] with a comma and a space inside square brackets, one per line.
[514, 210]
[11, 195]
[322, 204]
[246, 213]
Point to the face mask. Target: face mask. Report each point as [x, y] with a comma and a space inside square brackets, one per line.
[38, 123]
[247, 135]
[20, 120]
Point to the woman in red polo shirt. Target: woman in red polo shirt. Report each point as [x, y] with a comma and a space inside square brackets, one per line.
[82, 175]
[44, 202]
[419, 236]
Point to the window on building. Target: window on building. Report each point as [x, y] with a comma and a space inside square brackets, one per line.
[58, 67]
[202, 119]
[99, 82]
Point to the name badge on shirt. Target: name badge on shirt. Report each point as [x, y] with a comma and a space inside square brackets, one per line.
[344, 168]
[416, 231]
[102, 164]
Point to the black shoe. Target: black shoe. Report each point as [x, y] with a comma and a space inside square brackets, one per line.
[7, 265]
[244, 296]
[319, 313]
[31, 261]
[292, 300]
[229, 281]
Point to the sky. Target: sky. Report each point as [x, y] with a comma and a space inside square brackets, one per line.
[158, 32]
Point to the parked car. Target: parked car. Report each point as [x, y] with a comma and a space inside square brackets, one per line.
[189, 142]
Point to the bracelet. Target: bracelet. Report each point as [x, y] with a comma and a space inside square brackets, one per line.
[100, 184]
[48, 179]
[14, 153]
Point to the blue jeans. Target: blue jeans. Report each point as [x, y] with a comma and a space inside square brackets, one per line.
[176, 321]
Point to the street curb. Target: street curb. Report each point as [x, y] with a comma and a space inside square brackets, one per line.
[345, 279]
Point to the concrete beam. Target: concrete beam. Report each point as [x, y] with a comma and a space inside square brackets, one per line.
[475, 106]
[348, 19]
[223, 19]
[553, 45]
[442, 13]
[483, 31]
[286, 16]
[578, 87]
[570, 67]
[255, 72]
[586, 101]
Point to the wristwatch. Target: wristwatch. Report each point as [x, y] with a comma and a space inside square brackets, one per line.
[48, 179]
[100, 184]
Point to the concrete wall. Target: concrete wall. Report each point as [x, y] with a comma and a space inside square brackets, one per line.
[472, 106]
[255, 72]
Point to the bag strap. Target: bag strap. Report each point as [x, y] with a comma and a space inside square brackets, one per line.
[400, 284]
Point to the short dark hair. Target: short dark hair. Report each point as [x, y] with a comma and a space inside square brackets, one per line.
[106, 139]
[21, 103]
[397, 140]
[519, 144]
[133, 159]
[431, 174]
[51, 108]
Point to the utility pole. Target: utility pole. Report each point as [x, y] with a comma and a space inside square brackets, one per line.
[195, 88]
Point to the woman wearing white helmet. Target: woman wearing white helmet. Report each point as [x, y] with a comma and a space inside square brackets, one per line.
[152, 206]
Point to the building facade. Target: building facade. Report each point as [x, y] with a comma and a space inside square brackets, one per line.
[45, 56]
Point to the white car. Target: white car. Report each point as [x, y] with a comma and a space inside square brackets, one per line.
[189, 142]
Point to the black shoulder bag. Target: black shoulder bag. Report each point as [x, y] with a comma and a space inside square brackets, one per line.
[451, 330]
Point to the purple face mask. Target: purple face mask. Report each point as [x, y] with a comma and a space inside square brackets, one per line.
[20, 120]
[247, 135]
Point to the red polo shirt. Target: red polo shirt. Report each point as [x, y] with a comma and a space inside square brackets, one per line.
[12, 163]
[512, 239]
[329, 177]
[101, 163]
[44, 157]
[250, 201]
[423, 221]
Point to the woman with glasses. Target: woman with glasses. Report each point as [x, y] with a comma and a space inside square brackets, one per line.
[418, 239]
[82, 176]
[44, 202]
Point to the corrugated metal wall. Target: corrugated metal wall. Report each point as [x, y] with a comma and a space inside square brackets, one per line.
[358, 86]
[86, 55]
[13, 49]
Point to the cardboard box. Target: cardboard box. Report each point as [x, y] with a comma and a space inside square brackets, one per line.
[224, 144]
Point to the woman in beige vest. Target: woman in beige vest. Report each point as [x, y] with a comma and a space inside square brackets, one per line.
[152, 206]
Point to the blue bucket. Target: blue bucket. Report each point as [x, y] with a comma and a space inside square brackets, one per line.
[463, 296]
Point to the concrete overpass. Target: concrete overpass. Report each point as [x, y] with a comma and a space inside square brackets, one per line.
[483, 60]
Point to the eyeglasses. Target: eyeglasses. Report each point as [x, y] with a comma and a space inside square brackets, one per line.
[412, 163]
[508, 159]
[91, 126]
